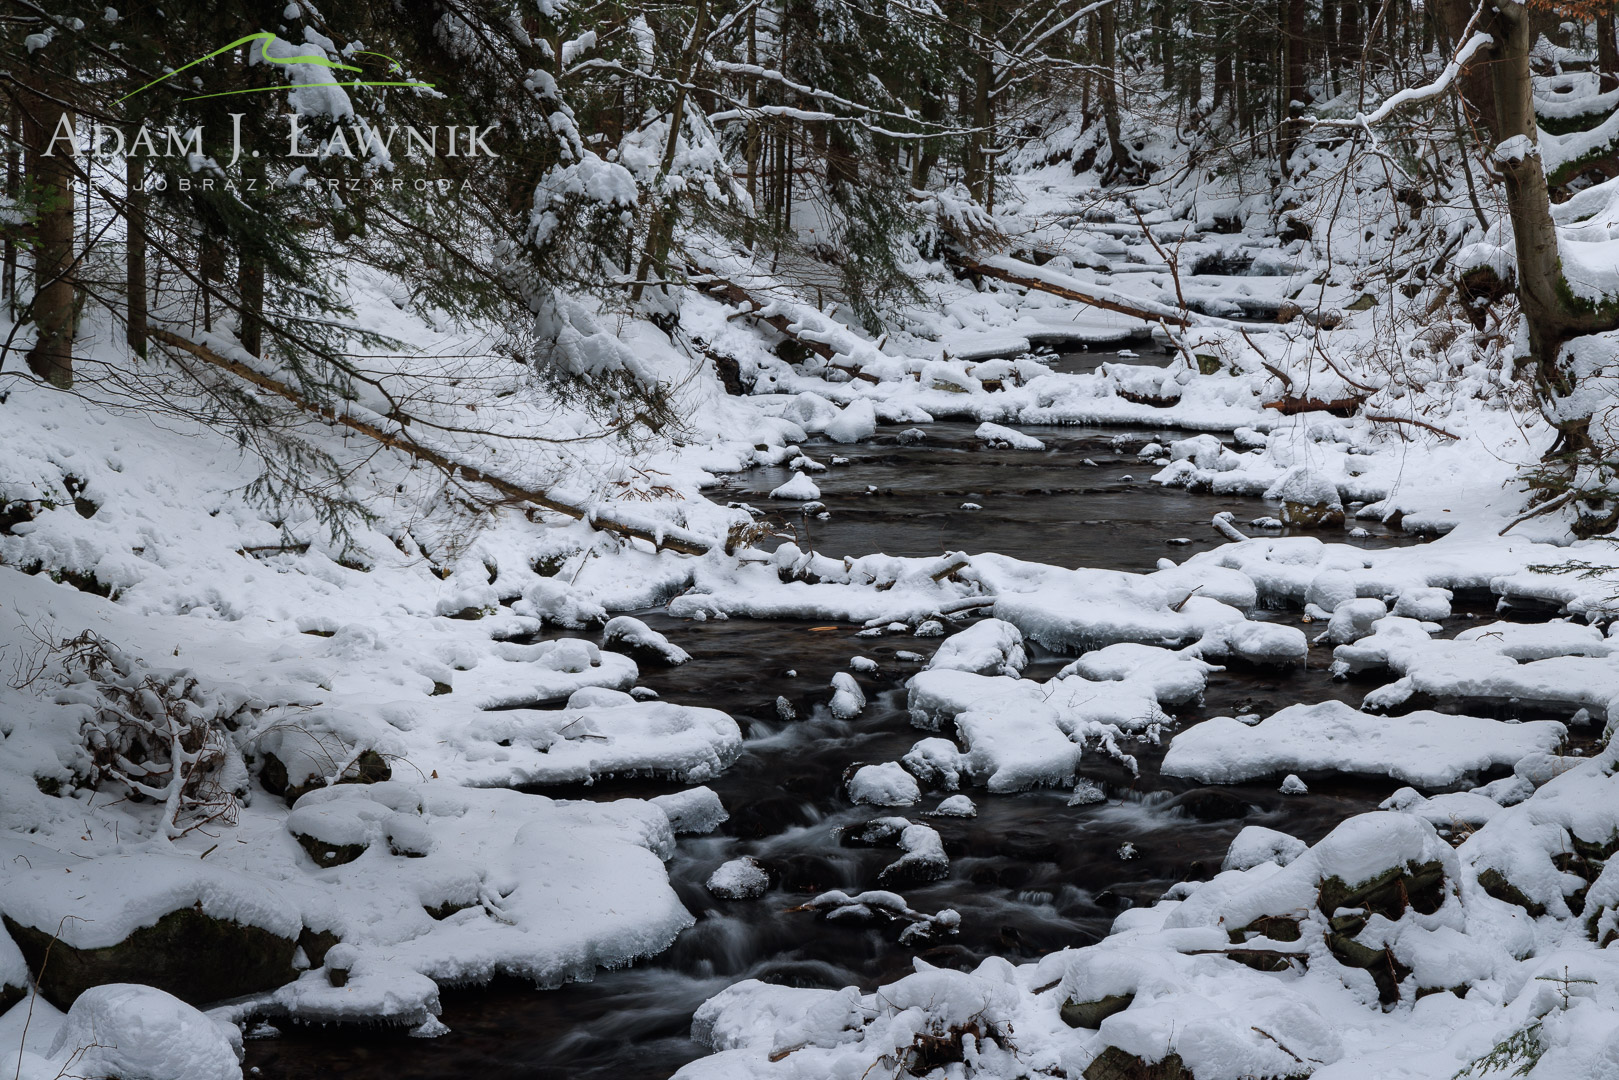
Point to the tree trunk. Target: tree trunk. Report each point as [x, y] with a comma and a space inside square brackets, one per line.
[1107, 32]
[51, 173]
[753, 133]
[661, 230]
[8, 276]
[135, 251]
[1607, 51]
[1293, 91]
[979, 163]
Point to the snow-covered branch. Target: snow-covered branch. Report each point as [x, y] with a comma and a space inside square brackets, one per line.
[1469, 49]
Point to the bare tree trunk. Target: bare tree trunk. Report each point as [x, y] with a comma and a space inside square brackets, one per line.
[753, 131]
[1107, 32]
[1607, 51]
[1293, 46]
[51, 172]
[661, 230]
[8, 276]
[135, 251]
[978, 158]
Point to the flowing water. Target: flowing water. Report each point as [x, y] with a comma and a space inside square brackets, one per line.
[1030, 874]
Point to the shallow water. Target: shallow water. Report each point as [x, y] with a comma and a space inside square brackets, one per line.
[1030, 874]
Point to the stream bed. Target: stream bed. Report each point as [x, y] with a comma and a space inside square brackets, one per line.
[1029, 874]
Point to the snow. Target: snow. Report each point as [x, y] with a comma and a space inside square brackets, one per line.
[636, 637]
[991, 647]
[1256, 844]
[884, 785]
[956, 806]
[800, 487]
[124, 1030]
[995, 434]
[848, 700]
[739, 879]
[1425, 749]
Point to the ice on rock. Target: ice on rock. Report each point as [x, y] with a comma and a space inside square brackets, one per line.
[956, 806]
[862, 664]
[857, 421]
[125, 1030]
[1292, 785]
[929, 628]
[887, 784]
[696, 810]
[991, 647]
[1425, 749]
[996, 435]
[1087, 793]
[1256, 844]
[847, 698]
[739, 879]
[800, 488]
[642, 642]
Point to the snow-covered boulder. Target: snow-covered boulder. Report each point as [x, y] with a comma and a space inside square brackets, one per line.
[800, 488]
[848, 700]
[644, 644]
[135, 1032]
[1309, 499]
[857, 421]
[739, 879]
[991, 647]
[1425, 749]
[887, 784]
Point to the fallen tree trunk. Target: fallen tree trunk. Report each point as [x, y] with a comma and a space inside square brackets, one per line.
[1344, 407]
[737, 296]
[672, 539]
[1040, 285]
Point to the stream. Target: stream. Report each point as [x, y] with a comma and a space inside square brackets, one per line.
[1030, 874]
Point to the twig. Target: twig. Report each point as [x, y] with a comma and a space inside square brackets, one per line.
[1412, 420]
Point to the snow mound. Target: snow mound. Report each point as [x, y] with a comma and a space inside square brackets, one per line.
[800, 488]
[996, 435]
[1424, 749]
[739, 879]
[884, 785]
[139, 1032]
[991, 647]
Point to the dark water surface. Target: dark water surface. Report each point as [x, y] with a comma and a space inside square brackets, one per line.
[1030, 874]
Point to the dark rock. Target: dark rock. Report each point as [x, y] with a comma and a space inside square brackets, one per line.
[1212, 804]
[1115, 1064]
[369, 768]
[328, 855]
[1495, 883]
[193, 956]
[317, 943]
[1090, 1014]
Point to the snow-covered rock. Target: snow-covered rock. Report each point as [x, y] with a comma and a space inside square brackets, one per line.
[1424, 749]
[887, 784]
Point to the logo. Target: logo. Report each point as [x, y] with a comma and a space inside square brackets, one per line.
[355, 140]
